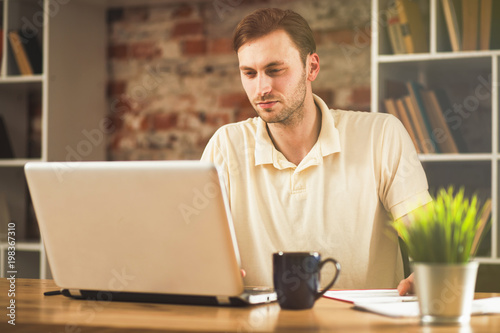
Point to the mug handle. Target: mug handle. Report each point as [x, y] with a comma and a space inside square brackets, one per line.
[337, 266]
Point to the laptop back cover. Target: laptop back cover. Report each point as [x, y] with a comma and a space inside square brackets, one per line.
[153, 227]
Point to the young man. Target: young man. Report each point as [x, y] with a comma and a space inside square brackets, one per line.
[301, 177]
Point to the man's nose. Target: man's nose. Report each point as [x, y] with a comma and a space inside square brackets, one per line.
[264, 85]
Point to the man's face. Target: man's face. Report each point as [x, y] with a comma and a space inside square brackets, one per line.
[274, 77]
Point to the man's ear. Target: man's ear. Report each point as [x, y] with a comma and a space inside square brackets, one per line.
[313, 66]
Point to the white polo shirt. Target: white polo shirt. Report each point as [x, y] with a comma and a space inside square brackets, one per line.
[334, 202]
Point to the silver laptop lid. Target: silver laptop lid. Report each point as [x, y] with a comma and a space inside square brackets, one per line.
[157, 227]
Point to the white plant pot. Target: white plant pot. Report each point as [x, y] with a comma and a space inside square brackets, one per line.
[445, 291]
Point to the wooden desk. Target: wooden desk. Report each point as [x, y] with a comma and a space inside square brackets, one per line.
[58, 314]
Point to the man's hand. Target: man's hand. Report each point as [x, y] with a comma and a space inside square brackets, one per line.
[406, 286]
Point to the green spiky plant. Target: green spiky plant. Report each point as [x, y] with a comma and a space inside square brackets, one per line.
[447, 230]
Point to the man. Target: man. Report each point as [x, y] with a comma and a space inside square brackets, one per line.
[301, 177]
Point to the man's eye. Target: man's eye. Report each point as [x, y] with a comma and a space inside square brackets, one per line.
[249, 74]
[275, 71]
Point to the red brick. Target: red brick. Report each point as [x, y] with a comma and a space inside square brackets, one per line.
[118, 51]
[144, 50]
[145, 124]
[120, 105]
[328, 96]
[116, 88]
[183, 11]
[164, 121]
[245, 113]
[338, 37]
[221, 46]
[116, 122]
[194, 47]
[361, 96]
[218, 119]
[183, 29]
[136, 14]
[234, 100]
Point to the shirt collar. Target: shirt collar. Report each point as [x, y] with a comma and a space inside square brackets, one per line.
[328, 140]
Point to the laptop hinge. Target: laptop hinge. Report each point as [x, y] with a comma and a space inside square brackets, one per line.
[75, 292]
[223, 300]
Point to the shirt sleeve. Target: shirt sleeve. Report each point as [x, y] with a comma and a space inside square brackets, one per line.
[213, 153]
[403, 184]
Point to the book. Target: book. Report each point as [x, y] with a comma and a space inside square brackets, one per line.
[394, 30]
[406, 120]
[400, 113]
[6, 150]
[27, 52]
[445, 106]
[33, 50]
[451, 14]
[441, 131]
[470, 24]
[424, 139]
[414, 34]
[485, 24]
[390, 107]
[20, 54]
[416, 98]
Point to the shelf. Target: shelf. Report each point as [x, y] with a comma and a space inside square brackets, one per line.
[19, 162]
[22, 79]
[470, 81]
[485, 260]
[49, 116]
[455, 157]
[437, 56]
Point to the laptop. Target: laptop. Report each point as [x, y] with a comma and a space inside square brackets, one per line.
[147, 231]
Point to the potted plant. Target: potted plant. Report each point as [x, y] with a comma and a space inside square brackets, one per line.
[441, 238]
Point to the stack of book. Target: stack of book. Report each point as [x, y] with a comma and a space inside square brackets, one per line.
[470, 24]
[428, 117]
[406, 27]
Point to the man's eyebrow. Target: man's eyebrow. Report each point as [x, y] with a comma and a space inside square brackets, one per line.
[275, 63]
[271, 64]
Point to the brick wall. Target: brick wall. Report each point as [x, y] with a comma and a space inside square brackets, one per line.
[174, 78]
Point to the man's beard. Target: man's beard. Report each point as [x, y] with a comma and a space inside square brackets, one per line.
[291, 114]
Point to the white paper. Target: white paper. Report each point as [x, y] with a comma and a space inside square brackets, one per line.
[369, 296]
[398, 309]
[387, 302]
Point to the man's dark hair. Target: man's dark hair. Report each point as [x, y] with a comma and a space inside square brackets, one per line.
[264, 21]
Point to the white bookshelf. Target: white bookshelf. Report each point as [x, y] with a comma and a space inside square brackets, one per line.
[71, 93]
[477, 169]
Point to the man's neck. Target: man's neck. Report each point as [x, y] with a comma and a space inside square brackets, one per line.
[295, 141]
